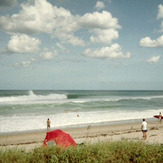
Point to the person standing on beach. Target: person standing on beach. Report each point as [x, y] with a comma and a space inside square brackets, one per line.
[160, 117]
[144, 129]
[48, 124]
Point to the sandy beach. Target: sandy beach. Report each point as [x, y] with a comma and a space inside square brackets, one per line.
[89, 134]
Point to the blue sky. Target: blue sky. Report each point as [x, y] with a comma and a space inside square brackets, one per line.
[81, 44]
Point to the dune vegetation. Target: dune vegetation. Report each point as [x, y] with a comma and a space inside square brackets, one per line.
[120, 151]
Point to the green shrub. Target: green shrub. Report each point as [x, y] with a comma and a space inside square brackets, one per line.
[121, 151]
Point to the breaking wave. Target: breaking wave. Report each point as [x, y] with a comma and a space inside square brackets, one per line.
[32, 98]
[35, 97]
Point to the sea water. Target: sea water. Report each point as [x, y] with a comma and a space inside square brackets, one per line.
[28, 110]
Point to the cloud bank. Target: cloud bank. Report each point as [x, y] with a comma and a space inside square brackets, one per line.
[41, 17]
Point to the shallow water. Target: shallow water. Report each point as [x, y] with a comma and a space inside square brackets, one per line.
[29, 110]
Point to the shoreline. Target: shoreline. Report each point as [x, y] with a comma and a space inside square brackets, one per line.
[89, 134]
[96, 124]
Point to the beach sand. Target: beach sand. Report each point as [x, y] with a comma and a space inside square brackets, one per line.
[90, 134]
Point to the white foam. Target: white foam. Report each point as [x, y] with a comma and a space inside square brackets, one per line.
[131, 98]
[32, 98]
[17, 123]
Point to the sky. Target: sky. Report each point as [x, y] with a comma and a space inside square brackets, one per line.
[81, 44]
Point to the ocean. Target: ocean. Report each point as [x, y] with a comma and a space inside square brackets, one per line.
[22, 111]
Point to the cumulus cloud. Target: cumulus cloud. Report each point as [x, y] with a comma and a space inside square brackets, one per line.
[160, 15]
[70, 38]
[48, 55]
[41, 17]
[100, 20]
[113, 51]
[37, 17]
[104, 36]
[99, 5]
[148, 42]
[160, 12]
[23, 44]
[154, 59]
[102, 25]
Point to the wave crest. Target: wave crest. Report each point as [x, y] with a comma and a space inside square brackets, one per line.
[32, 98]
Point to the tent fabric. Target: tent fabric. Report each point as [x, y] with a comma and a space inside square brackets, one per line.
[60, 137]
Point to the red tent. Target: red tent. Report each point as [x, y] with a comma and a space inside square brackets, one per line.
[60, 137]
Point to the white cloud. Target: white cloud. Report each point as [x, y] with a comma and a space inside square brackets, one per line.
[104, 36]
[99, 5]
[31, 18]
[160, 12]
[41, 16]
[113, 51]
[26, 63]
[23, 44]
[160, 16]
[102, 25]
[154, 59]
[70, 38]
[148, 42]
[48, 55]
[103, 20]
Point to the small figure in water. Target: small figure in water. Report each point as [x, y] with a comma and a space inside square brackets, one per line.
[48, 124]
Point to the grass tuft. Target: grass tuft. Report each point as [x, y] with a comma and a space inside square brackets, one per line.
[121, 151]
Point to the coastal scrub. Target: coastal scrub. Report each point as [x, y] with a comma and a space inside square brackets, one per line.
[121, 151]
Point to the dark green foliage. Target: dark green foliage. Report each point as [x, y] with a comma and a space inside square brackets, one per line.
[122, 151]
